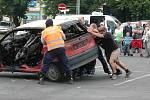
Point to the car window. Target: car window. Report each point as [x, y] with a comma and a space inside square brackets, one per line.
[111, 26]
[97, 20]
[74, 31]
[18, 34]
[4, 24]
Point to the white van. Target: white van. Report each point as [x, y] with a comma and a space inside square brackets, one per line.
[108, 21]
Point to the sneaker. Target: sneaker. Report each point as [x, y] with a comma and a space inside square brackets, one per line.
[114, 76]
[128, 74]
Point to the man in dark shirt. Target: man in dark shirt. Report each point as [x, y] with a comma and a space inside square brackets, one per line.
[127, 28]
[111, 50]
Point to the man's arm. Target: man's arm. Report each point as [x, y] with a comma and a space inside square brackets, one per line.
[95, 33]
[63, 35]
[42, 40]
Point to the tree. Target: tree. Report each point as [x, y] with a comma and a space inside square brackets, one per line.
[14, 9]
[130, 10]
[86, 6]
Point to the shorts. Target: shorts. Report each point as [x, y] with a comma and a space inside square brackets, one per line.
[114, 57]
[136, 43]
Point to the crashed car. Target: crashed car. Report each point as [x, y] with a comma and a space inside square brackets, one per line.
[21, 50]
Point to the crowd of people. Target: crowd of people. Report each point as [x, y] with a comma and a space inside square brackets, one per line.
[132, 40]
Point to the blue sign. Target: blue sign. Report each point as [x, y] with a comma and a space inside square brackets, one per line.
[33, 16]
[32, 3]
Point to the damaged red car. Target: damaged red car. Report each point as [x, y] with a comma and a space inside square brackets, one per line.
[21, 50]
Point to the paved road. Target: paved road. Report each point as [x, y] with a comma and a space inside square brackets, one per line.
[98, 87]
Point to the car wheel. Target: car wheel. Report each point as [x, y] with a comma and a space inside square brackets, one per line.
[54, 73]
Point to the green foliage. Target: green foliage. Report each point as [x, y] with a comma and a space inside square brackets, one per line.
[130, 9]
[86, 6]
[14, 9]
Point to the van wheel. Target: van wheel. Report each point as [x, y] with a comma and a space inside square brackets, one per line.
[54, 73]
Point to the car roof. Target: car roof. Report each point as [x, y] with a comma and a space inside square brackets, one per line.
[40, 24]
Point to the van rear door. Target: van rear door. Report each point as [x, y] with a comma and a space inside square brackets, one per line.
[97, 20]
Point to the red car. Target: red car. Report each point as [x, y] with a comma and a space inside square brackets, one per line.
[22, 51]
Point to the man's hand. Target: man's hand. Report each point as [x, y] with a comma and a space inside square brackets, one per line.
[89, 30]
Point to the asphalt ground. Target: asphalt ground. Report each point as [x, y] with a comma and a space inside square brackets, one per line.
[23, 86]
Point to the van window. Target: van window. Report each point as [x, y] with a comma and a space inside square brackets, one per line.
[97, 20]
[111, 26]
[116, 20]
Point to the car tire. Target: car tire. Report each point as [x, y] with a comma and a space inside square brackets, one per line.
[54, 73]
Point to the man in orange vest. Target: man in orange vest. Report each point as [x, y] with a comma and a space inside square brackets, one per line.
[53, 37]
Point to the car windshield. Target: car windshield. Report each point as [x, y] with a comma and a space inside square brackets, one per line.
[4, 24]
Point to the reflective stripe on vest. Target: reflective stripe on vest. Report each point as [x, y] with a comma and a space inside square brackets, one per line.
[53, 37]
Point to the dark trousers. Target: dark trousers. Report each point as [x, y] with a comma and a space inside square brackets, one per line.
[127, 49]
[103, 61]
[51, 55]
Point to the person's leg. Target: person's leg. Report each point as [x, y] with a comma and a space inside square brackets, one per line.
[64, 61]
[103, 61]
[124, 67]
[118, 71]
[112, 62]
[140, 47]
[125, 52]
[146, 49]
[48, 58]
[128, 50]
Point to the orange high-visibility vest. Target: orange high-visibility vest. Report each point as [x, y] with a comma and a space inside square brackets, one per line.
[53, 38]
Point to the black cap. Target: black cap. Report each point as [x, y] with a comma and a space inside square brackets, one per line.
[49, 22]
